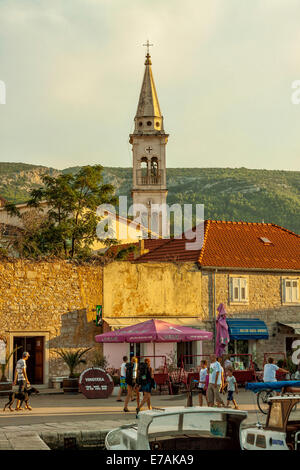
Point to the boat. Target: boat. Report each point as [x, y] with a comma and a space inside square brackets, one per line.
[282, 428]
[180, 428]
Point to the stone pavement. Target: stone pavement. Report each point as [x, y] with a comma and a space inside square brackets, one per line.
[56, 418]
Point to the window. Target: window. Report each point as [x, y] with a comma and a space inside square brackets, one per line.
[250, 439]
[238, 289]
[290, 290]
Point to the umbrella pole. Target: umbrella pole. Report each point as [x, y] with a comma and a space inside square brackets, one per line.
[154, 354]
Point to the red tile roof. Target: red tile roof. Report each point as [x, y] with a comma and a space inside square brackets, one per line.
[236, 245]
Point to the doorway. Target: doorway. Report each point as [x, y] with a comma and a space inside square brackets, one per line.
[35, 363]
[135, 350]
[185, 354]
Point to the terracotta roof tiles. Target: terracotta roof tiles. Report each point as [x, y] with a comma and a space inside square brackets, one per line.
[236, 245]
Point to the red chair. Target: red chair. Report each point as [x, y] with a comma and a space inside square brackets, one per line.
[163, 380]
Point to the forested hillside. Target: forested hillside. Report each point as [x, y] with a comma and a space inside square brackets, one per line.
[227, 194]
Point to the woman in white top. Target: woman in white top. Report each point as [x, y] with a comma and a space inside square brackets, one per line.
[202, 382]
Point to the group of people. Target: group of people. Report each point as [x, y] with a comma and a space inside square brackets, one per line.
[136, 377]
[217, 376]
[214, 378]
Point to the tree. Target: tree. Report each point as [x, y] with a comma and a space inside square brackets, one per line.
[67, 207]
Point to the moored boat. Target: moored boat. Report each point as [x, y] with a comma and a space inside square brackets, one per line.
[180, 428]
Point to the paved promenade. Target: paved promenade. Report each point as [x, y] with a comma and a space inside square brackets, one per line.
[56, 416]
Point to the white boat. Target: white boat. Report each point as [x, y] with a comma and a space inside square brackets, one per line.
[282, 428]
[180, 428]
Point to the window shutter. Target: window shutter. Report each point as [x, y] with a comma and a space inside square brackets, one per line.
[283, 291]
[294, 291]
[244, 289]
[236, 289]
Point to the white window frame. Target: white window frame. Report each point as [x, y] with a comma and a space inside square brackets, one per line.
[290, 290]
[236, 293]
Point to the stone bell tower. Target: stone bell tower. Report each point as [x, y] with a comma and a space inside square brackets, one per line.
[149, 155]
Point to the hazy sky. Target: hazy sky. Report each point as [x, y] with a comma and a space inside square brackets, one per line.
[223, 71]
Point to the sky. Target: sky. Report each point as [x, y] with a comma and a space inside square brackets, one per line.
[223, 71]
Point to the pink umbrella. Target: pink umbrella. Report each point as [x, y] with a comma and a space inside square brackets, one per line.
[222, 338]
[156, 331]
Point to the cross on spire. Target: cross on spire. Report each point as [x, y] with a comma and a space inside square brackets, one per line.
[147, 45]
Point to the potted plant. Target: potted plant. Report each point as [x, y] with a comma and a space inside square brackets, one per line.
[5, 385]
[72, 358]
[99, 360]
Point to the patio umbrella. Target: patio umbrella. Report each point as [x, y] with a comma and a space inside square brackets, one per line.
[153, 331]
[222, 338]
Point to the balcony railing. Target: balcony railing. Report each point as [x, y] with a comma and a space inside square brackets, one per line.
[148, 177]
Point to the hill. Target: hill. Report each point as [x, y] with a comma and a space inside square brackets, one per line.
[227, 193]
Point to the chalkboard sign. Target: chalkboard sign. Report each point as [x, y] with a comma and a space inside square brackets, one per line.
[96, 383]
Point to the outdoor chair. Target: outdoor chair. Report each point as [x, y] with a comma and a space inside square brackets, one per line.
[163, 380]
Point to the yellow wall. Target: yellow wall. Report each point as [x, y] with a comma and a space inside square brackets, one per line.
[152, 289]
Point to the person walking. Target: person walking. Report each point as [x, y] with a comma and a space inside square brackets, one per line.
[215, 382]
[130, 381]
[21, 378]
[146, 382]
[231, 385]
[136, 388]
[122, 378]
[202, 381]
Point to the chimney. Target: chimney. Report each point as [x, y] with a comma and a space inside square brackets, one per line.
[141, 249]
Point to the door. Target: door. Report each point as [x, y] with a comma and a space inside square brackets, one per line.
[185, 352]
[35, 363]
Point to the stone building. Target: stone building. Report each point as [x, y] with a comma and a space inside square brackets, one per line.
[45, 306]
[252, 268]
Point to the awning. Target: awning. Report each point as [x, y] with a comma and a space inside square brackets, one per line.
[122, 322]
[252, 328]
[294, 326]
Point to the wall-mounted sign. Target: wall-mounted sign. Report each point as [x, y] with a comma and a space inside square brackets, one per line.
[96, 383]
[99, 320]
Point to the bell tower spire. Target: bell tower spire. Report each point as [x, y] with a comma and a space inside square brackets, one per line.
[149, 153]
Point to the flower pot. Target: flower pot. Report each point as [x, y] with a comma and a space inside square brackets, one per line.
[175, 389]
[70, 386]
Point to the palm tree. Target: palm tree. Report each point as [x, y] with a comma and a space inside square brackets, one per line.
[73, 358]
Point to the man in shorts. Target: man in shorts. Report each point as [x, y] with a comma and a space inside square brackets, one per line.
[21, 378]
[215, 382]
[123, 385]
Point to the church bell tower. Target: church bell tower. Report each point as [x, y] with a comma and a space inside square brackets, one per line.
[149, 155]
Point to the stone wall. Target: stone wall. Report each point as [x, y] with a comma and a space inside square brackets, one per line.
[55, 299]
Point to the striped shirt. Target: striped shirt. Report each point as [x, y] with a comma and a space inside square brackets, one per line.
[21, 364]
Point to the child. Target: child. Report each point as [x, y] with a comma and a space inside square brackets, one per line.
[232, 387]
[203, 373]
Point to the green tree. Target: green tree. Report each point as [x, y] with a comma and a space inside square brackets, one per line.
[67, 206]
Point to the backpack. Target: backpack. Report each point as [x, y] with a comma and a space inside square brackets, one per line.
[129, 371]
[142, 373]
